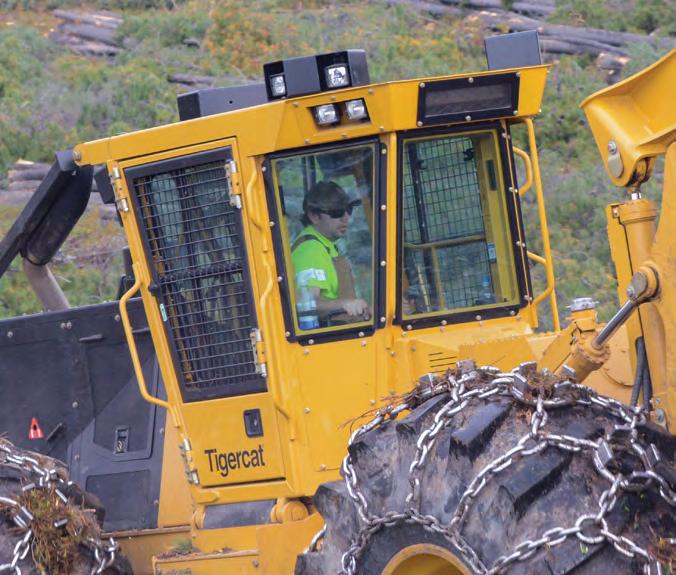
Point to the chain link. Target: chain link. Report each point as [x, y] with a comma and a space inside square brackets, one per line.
[46, 478]
[471, 384]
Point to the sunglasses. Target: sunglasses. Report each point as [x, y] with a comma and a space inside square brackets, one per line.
[338, 213]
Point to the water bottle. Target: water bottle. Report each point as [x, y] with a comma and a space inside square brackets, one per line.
[486, 294]
[307, 309]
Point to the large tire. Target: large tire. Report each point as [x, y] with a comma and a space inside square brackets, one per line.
[58, 522]
[519, 503]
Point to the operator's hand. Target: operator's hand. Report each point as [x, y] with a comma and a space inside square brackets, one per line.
[357, 307]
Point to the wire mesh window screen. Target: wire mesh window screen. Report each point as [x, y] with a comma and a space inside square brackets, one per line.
[196, 250]
[441, 190]
[445, 251]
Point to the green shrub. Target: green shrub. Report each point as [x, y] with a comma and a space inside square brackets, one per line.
[164, 28]
[562, 125]
[88, 267]
[643, 16]
[399, 42]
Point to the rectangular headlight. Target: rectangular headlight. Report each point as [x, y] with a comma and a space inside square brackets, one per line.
[468, 99]
[278, 85]
[337, 76]
[326, 114]
[356, 109]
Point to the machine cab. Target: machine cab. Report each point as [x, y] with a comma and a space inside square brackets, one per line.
[313, 246]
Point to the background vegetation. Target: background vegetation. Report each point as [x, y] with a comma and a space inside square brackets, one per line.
[51, 99]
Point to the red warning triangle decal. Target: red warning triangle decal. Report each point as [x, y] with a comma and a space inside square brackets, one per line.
[35, 432]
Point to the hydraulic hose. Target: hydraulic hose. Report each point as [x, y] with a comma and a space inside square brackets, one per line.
[642, 381]
[640, 368]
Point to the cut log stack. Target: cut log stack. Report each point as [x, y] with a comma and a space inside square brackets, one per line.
[191, 81]
[95, 33]
[88, 33]
[25, 176]
[610, 48]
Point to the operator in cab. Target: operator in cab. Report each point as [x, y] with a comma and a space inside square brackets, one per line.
[321, 272]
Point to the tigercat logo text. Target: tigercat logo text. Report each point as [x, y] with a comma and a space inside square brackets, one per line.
[229, 461]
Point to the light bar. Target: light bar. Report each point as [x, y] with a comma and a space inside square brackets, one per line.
[468, 99]
[314, 74]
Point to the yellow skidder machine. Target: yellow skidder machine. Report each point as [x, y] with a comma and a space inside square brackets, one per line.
[336, 336]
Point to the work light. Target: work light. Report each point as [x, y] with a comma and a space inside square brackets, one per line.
[356, 109]
[337, 76]
[468, 99]
[326, 114]
[278, 85]
[314, 74]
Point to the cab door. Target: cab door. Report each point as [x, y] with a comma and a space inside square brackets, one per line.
[325, 203]
[201, 302]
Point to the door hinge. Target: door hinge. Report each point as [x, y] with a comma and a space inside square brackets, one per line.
[189, 462]
[258, 347]
[234, 188]
[121, 200]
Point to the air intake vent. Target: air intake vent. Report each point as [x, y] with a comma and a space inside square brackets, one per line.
[193, 239]
[440, 362]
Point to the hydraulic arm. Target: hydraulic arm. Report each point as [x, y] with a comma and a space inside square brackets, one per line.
[634, 122]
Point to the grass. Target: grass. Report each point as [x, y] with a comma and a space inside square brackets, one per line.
[57, 551]
[88, 266]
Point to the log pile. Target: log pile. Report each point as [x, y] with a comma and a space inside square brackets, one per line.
[88, 33]
[22, 180]
[539, 8]
[95, 33]
[192, 81]
[610, 48]
[25, 177]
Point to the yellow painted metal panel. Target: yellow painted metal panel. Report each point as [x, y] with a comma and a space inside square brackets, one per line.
[338, 383]
[222, 450]
[232, 563]
[638, 114]
[140, 546]
[280, 543]
[175, 504]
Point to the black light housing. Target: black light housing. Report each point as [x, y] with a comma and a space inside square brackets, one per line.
[468, 99]
[209, 101]
[314, 74]
[514, 50]
[357, 69]
[300, 77]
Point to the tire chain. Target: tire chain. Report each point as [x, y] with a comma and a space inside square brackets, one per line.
[470, 383]
[46, 478]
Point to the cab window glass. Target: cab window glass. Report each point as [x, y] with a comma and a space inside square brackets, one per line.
[326, 202]
[456, 241]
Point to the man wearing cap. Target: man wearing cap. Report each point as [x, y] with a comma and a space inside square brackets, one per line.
[316, 261]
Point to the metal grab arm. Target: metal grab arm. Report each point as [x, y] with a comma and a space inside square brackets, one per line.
[138, 370]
